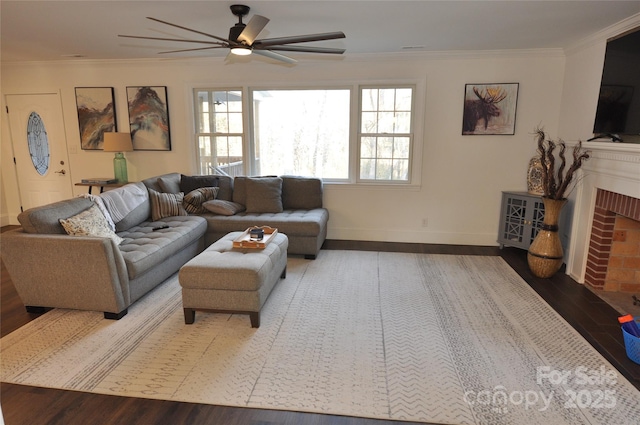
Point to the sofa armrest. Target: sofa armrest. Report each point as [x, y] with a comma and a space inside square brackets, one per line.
[75, 272]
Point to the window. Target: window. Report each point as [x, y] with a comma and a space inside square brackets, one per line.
[385, 133]
[302, 132]
[38, 143]
[350, 134]
[219, 131]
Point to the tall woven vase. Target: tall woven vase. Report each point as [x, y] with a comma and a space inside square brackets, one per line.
[545, 253]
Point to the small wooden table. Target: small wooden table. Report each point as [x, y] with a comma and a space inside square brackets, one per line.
[100, 185]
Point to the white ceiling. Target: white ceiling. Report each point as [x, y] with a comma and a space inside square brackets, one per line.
[58, 30]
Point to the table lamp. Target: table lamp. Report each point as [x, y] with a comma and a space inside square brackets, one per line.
[118, 143]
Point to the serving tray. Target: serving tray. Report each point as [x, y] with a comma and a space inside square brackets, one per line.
[245, 241]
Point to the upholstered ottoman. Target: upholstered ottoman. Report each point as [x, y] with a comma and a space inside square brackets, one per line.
[224, 279]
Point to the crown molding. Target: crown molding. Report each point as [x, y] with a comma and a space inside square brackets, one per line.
[627, 24]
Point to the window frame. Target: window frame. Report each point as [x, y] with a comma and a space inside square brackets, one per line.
[417, 141]
[410, 134]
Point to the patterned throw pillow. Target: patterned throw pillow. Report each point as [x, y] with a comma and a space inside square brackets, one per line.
[193, 200]
[221, 207]
[166, 204]
[90, 222]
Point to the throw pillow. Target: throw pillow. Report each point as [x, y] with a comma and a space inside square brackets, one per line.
[221, 207]
[166, 204]
[193, 200]
[301, 193]
[169, 185]
[189, 183]
[264, 195]
[90, 222]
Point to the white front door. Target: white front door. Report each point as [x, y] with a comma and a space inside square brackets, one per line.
[40, 148]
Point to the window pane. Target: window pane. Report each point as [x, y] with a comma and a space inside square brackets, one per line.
[369, 122]
[370, 99]
[383, 169]
[235, 122]
[367, 169]
[386, 100]
[403, 99]
[401, 169]
[303, 132]
[385, 147]
[368, 147]
[403, 122]
[386, 121]
[38, 143]
[401, 147]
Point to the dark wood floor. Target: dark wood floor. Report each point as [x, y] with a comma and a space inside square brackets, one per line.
[23, 405]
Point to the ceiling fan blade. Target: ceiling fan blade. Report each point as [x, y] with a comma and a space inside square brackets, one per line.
[189, 29]
[274, 55]
[267, 42]
[192, 50]
[253, 28]
[174, 39]
[305, 49]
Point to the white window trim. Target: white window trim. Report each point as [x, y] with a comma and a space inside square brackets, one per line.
[417, 142]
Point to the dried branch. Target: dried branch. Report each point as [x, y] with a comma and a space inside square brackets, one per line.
[555, 182]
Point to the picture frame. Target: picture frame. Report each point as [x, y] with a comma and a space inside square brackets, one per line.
[149, 118]
[490, 109]
[96, 114]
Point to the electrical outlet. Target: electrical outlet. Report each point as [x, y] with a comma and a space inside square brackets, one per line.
[425, 222]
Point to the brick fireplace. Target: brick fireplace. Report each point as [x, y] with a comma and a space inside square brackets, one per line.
[600, 254]
[613, 260]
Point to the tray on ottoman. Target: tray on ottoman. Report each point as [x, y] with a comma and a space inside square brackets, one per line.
[245, 241]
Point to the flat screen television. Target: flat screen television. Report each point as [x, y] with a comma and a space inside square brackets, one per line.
[618, 111]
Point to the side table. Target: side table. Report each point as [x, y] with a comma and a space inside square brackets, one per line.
[100, 185]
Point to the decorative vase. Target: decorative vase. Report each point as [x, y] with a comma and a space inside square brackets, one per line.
[545, 253]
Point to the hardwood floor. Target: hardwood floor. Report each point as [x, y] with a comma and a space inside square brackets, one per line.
[22, 405]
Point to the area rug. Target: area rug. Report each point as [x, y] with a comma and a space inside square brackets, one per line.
[417, 337]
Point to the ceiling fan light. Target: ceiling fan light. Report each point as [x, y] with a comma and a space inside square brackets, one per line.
[241, 51]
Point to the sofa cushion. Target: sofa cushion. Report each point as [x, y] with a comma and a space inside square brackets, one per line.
[290, 222]
[143, 248]
[128, 205]
[301, 193]
[263, 194]
[169, 184]
[46, 218]
[90, 222]
[166, 204]
[189, 183]
[221, 207]
[193, 200]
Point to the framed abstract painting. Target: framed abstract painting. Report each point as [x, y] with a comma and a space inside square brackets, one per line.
[96, 114]
[149, 118]
[490, 109]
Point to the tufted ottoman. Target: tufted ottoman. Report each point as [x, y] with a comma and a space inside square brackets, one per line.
[223, 279]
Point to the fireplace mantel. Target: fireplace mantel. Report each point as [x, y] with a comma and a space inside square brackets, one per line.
[614, 167]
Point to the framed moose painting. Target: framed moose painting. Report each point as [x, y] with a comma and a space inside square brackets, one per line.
[490, 109]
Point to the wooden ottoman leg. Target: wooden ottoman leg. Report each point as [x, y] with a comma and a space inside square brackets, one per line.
[189, 316]
[255, 319]
[284, 273]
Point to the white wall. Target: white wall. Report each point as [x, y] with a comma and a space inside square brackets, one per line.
[462, 176]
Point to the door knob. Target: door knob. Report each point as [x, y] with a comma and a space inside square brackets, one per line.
[63, 172]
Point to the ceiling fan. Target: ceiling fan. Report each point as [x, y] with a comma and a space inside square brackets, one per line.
[242, 38]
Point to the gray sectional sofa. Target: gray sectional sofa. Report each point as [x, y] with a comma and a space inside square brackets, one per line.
[150, 242]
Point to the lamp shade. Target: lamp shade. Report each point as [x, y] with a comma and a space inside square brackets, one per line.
[117, 142]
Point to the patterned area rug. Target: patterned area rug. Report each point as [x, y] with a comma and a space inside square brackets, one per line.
[420, 337]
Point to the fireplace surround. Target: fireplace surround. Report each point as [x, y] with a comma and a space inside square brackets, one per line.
[609, 185]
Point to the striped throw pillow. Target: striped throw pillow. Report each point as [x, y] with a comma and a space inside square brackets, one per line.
[193, 200]
[166, 204]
